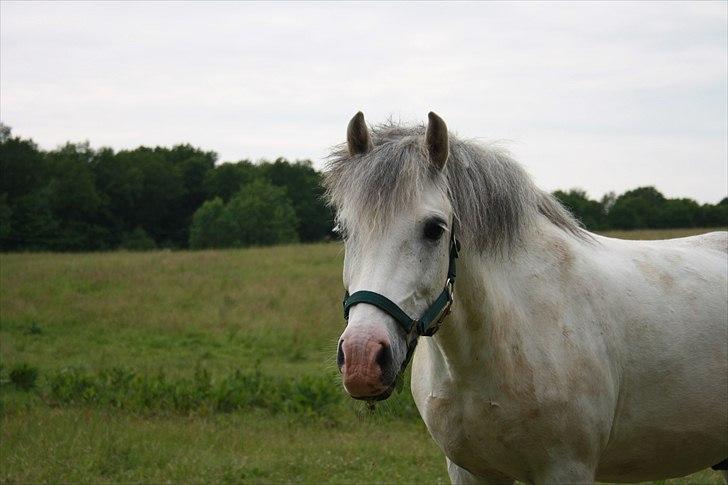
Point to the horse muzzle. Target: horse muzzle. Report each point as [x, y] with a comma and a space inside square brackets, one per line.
[367, 366]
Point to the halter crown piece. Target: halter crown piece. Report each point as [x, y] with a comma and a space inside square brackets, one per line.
[429, 323]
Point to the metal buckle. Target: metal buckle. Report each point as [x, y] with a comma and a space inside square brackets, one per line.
[449, 286]
[450, 295]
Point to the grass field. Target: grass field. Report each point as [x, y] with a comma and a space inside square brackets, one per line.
[213, 366]
[658, 233]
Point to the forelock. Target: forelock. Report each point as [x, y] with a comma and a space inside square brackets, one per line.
[369, 190]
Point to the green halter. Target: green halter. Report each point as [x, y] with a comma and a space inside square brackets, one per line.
[430, 321]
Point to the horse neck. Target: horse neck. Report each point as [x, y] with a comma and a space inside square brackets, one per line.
[498, 301]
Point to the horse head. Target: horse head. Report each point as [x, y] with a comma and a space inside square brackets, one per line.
[398, 255]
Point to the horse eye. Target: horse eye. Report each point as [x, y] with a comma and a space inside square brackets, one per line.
[433, 230]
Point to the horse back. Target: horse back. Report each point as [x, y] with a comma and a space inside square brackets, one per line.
[671, 322]
[717, 241]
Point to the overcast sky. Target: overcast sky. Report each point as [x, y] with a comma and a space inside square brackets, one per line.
[598, 96]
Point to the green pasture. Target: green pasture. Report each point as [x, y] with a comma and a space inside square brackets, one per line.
[210, 366]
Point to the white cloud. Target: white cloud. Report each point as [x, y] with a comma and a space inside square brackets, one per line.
[597, 95]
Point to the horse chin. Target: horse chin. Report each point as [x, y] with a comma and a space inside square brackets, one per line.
[381, 396]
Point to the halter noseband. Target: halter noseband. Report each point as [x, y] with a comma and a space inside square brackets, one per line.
[429, 323]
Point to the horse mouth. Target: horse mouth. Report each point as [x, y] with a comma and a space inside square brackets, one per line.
[385, 394]
[379, 397]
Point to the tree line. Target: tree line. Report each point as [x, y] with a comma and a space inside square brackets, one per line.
[642, 208]
[76, 198]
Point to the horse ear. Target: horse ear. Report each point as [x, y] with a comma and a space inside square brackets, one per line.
[436, 138]
[357, 135]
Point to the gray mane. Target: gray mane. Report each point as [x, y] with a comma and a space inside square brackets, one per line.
[493, 198]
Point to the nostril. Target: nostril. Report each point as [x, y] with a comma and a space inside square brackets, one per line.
[384, 358]
[340, 355]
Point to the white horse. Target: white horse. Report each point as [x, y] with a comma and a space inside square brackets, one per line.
[568, 357]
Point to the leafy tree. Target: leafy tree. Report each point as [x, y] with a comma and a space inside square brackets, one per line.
[304, 187]
[260, 214]
[300, 180]
[73, 199]
[145, 193]
[73, 185]
[589, 212]
[680, 213]
[22, 166]
[263, 215]
[638, 208]
[211, 226]
[192, 165]
[34, 226]
[227, 179]
[715, 215]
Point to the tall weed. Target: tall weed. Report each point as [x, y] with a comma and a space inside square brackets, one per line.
[124, 388]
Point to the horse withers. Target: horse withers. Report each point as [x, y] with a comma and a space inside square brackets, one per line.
[568, 357]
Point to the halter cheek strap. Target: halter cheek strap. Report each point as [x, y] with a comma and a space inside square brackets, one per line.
[429, 323]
